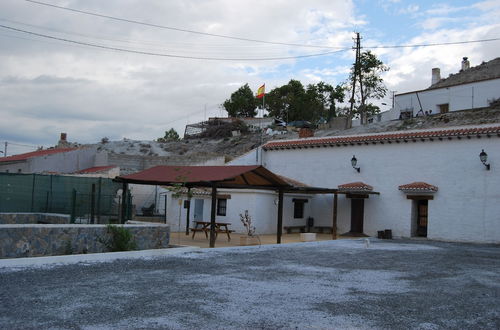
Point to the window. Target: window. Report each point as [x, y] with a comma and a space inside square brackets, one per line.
[298, 208]
[221, 206]
[444, 108]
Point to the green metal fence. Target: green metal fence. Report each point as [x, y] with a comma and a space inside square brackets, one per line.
[82, 197]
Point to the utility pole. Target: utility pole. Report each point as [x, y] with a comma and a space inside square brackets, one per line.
[5, 150]
[356, 76]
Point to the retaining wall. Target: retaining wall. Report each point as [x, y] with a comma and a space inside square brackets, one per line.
[55, 239]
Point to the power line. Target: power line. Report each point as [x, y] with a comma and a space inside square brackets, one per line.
[434, 44]
[169, 55]
[179, 29]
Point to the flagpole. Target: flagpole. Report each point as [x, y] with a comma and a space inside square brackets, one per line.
[261, 117]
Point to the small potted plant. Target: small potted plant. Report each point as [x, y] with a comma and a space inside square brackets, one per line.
[250, 238]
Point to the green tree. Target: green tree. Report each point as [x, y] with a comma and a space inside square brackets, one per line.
[292, 101]
[170, 135]
[371, 85]
[242, 103]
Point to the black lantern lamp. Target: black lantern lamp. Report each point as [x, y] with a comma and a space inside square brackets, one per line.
[483, 156]
[354, 161]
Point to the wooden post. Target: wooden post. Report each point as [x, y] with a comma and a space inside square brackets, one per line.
[187, 211]
[212, 215]
[334, 219]
[280, 216]
[124, 202]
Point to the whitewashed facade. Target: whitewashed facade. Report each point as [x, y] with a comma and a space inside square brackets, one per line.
[465, 208]
[470, 88]
[454, 98]
[261, 205]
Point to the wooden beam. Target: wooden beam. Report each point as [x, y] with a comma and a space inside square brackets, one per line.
[280, 216]
[212, 215]
[417, 197]
[357, 195]
[334, 220]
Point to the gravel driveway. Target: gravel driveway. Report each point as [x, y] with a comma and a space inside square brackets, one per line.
[319, 285]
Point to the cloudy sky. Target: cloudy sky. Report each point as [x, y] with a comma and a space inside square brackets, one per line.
[105, 75]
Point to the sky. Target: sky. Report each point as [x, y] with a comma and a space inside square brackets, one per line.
[136, 68]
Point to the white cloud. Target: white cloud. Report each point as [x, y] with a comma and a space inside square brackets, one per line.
[48, 86]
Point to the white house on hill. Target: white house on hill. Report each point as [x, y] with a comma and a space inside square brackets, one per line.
[470, 88]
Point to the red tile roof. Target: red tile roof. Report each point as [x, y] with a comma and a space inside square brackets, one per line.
[96, 169]
[418, 187]
[355, 186]
[38, 153]
[383, 137]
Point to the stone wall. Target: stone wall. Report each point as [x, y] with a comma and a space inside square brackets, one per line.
[52, 239]
[33, 218]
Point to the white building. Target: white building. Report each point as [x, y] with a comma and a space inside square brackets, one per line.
[470, 88]
[431, 182]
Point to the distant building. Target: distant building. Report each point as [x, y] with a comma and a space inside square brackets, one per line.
[470, 88]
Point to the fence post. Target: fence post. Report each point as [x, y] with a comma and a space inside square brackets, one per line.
[92, 205]
[33, 193]
[73, 206]
[99, 201]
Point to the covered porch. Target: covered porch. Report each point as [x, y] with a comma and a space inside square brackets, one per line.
[227, 177]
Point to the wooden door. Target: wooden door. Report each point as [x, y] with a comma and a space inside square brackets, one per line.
[357, 215]
[422, 211]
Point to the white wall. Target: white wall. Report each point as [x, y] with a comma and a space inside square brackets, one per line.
[260, 204]
[466, 207]
[64, 162]
[461, 97]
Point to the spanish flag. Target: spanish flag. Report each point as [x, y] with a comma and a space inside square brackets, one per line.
[261, 91]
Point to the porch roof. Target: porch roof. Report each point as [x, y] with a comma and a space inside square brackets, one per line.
[243, 177]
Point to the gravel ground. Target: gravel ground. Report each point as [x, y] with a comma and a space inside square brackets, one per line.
[318, 285]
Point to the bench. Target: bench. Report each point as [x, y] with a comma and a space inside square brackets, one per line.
[322, 229]
[289, 229]
[205, 230]
[220, 227]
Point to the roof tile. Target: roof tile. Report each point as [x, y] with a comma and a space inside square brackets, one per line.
[355, 186]
[381, 137]
[33, 154]
[418, 187]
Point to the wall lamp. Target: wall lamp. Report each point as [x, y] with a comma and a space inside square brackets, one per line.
[483, 156]
[354, 161]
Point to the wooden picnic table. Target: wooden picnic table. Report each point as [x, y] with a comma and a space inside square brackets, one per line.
[220, 227]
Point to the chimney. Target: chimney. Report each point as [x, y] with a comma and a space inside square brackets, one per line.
[305, 133]
[436, 76]
[63, 136]
[465, 64]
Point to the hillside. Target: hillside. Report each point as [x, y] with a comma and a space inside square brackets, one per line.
[192, 149]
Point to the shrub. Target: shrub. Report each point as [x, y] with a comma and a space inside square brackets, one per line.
[120, 239]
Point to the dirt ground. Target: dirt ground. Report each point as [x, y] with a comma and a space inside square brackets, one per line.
[343, 284]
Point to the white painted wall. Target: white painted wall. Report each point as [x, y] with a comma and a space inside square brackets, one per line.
[465, 208]
[461, 97]
[64, 162]
[259, 203]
